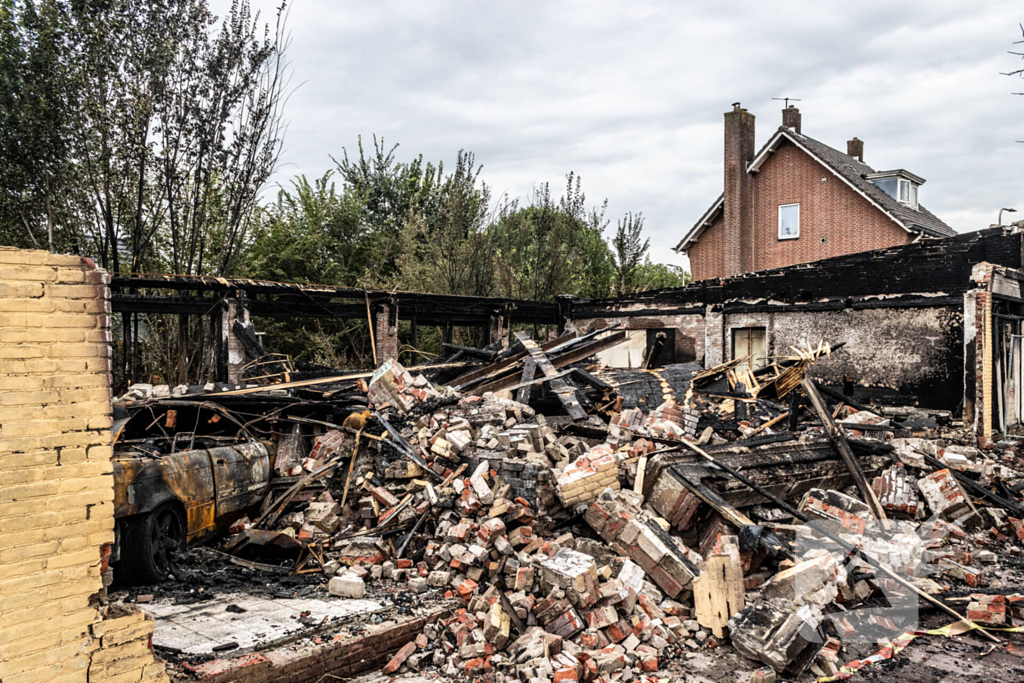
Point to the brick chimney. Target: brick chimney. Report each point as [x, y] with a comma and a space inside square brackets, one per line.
[791, 118]
[739, 151]
[855, 148]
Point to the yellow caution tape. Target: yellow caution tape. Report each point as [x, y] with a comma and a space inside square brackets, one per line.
[898, 644]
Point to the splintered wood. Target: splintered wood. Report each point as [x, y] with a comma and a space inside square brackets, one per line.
[718, 591]
[562, 390]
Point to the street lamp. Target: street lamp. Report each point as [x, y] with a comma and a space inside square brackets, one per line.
[1001, 214]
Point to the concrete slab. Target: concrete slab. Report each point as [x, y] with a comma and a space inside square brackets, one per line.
[251, 623]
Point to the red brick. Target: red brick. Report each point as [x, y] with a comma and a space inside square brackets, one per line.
[566, 675]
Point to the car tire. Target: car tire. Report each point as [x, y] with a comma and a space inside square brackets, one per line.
[149, 542]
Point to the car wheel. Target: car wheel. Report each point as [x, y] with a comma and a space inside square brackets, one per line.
[150, 541]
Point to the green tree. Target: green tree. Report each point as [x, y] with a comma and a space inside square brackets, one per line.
[551, 247]
[139, 132]
[35, 115]
[392, 193]
[444, 243]
[662, 276]
[310, 234]
[630, 252]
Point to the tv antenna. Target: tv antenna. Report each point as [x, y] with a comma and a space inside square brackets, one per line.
[787, 100]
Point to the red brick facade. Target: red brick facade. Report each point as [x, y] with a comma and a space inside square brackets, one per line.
[829, 210]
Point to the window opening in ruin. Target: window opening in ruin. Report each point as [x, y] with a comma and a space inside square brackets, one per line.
[752, 342]
[661, 347]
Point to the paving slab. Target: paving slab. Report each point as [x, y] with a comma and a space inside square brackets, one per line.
[251, 623]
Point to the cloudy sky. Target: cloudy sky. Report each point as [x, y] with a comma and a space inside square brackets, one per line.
[630, 95]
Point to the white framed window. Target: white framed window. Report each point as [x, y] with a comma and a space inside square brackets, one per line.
[907, 193]
[789, 221]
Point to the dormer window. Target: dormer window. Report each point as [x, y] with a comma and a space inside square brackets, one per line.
[900, 185]
[908, 193]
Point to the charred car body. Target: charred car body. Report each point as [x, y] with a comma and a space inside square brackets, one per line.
[183, 470]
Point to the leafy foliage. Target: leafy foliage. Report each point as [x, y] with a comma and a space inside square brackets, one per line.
[142, 133]
[138, 132]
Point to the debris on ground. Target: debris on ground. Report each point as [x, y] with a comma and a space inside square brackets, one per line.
[570, 529]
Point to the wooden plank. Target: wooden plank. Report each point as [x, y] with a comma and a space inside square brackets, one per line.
[563, 391]
[471, 351]
[588, 350]
[712, 499]
[775, 420]
[591, 379]
[320, 380]
[526, 386]
[641, 471]
[568, 358]
[718, 591]
[462, 381]
[841, 445]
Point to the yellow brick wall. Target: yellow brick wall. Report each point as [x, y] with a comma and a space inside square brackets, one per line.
[56, 483]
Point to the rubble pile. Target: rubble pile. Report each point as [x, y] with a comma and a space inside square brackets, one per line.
[575, 535]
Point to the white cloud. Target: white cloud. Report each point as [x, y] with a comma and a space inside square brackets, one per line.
[630, 95]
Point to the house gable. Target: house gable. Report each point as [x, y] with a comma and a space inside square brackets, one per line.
[833, 196]
[835, 219]
[707, 254]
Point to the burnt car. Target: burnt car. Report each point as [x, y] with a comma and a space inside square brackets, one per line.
[183, 471]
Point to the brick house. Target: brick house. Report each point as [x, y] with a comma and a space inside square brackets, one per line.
[799, 200]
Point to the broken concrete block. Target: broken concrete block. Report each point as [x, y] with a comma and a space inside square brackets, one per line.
[438, 579]
[631, 576]
[896, 490]
[587, 476]
[459, 440]
[139, 391]
[812, 581]
[608, 660]
[572, 571]
[347, 586]
[478, 483]
[849, 513]
[780, 633]
[943, 495]
[630, 643]
[364, 550]
[323, 516]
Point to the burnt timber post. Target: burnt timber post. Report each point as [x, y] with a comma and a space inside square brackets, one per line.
[229, 349]
[498, 329]
[385, 332]
[414, 339]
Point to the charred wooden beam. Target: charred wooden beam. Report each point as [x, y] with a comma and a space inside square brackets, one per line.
[843, 448]
[564, 391]
[276, 299]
